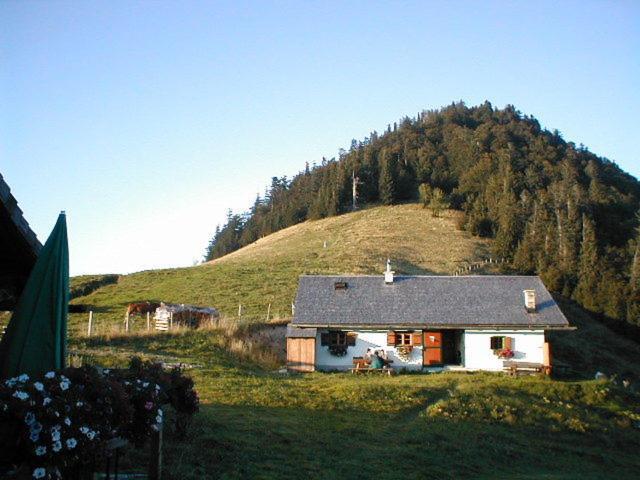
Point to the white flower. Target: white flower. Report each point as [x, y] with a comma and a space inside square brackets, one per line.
[155, 428]
[160, 411]
[157, 387]
[10, 382]
[84, 430]
[71, 443]
[79, 404]
[50, 375]
[39, 386]
[46, 401]
[67, 422]
[145, 384]
[57, 446]
[21, 395]
[106, 371]
[64, 385]
[41, 450]
[91, 434]
[55, 435]
[39, 473]
[34, 436]
[29, 418]
[159, 419]
[23, 378]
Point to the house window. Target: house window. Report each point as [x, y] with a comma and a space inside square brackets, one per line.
[497, 343]
[395, 339]
[338, 338]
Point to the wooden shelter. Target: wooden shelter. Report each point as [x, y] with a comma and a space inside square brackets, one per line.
[19, 248]
[170, 315]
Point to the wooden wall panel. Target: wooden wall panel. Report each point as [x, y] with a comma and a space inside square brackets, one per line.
[301, 354]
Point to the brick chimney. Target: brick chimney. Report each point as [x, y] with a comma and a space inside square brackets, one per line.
[388, 274]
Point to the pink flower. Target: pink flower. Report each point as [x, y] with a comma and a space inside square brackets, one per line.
[148, 405]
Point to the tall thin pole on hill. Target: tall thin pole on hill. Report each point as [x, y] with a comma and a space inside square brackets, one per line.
[354, 190]
[90, 322]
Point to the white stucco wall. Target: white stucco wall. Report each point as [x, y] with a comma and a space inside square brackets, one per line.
[527, 346]
[375, 339]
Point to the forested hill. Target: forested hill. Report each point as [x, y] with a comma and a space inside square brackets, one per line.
[553, 208]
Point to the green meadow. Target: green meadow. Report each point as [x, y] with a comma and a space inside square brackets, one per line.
[256, 422]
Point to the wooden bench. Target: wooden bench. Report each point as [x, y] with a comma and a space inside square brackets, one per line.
[361, 365]
[514, 368]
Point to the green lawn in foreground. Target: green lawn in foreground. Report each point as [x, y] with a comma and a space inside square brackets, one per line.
[255, 423]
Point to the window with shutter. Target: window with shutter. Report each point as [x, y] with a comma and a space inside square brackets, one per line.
[351, 339]
[391, 338]
[324, 339]
[508, 343]
[417, 338]
[497, 343]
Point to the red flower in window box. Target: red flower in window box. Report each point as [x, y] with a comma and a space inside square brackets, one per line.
[505, 353]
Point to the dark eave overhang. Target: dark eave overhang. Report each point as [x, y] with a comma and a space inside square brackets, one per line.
[423, 326]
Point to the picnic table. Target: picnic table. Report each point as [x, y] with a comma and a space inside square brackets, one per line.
[362, 365]
[514, 368]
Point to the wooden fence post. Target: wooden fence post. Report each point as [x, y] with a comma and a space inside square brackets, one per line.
[126, 323]
[90, 322]
[268, 311]
[170, 320]
[148, 322]
[155, 465]
[239, 310]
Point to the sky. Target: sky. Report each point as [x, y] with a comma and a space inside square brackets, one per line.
[146, 121]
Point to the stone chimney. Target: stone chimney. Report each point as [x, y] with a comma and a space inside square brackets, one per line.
[388, 274]
[530, 300]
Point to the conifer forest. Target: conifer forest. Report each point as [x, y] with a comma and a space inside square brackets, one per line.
[553, 208]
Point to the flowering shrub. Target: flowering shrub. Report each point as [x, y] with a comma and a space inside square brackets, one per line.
[64, 420]
[403, 352]
[505, 353]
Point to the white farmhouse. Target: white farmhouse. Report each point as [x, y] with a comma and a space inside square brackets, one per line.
[422, 322]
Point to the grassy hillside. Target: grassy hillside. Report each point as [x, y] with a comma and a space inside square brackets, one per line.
[267, 271]
[257, 423]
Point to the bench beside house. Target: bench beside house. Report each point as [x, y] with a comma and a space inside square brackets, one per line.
[423, 322]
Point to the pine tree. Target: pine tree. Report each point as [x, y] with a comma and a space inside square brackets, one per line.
[387, 183]
[633, 296]
[425, 194]
[586, 292]
[437, 202]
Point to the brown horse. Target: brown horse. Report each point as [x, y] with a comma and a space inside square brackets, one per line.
[141, 308]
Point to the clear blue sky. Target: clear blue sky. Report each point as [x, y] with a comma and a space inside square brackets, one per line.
[145, 121]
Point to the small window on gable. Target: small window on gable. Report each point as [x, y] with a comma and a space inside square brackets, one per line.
[497, 343]
[404, 338]
[340, 285]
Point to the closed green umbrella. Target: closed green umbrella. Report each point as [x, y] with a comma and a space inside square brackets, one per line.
[36, 338]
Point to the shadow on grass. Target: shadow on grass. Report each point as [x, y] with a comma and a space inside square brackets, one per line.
[261, 442]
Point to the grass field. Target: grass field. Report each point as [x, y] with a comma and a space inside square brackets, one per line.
[258, 423]
[267, 271]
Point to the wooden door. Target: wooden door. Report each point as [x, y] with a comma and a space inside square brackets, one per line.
[432, 350]
[301, 354]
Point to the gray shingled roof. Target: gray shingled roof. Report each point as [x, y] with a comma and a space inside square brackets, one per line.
[435, 301]
[19, 248]
[295, 332]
